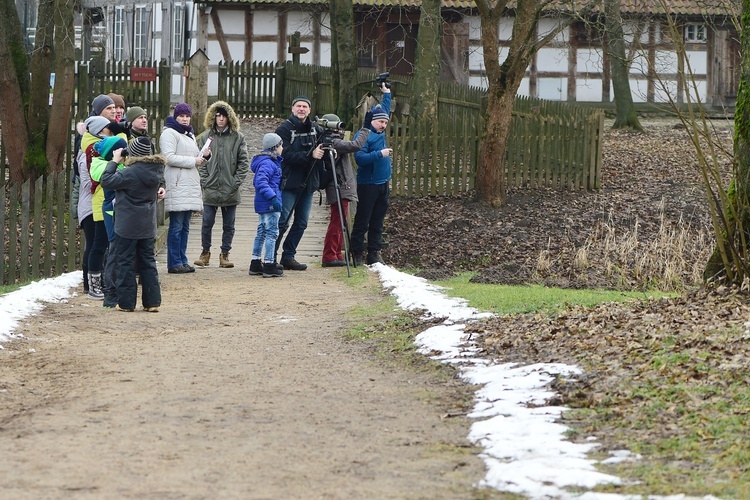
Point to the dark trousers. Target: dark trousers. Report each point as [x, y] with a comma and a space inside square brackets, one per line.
[140, 254]
[98, 247]
[374, 200]
[87, 224]
[228, 215]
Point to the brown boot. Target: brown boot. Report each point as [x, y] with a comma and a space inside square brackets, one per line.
[224, 260]
[203, 259]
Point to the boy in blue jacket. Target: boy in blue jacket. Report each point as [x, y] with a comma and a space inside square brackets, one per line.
[267, 181]
[373, 186]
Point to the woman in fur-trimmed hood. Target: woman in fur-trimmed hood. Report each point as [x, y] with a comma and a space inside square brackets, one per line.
[221, 177]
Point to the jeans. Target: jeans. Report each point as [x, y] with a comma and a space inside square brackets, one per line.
[334, 236]
[301, 214]
[374, 200]
[265, 239]
[87, 224]
[227, 226]
[177, 238]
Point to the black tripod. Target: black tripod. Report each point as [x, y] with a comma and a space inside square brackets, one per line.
[342, 220]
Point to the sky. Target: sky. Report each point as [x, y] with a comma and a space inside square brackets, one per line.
[523, 444]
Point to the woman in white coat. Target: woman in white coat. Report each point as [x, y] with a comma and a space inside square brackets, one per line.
[183, 184]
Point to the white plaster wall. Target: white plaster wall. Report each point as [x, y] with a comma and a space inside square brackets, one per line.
[476, 58]
[547, 25]
[697, 61]
[589, 60]
[505, 30]
[265, 51]
[638, 88]
[299, 21]
[232, 21]
[553, 89]
[552, 59]
[475, 28]
[265, 23]
[213, 51]
[589, 90]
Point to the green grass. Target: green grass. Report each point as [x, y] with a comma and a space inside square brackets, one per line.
[8, 288]
[507, 299]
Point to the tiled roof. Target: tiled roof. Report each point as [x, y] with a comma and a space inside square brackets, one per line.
[679, 7]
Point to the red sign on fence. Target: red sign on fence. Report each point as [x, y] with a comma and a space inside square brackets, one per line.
[142, 74]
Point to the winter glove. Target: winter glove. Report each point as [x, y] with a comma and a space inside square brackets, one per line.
[276, 204]
[368, 120]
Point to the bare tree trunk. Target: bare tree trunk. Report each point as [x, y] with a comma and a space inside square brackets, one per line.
[626, 116]
[344, 57]
[59, 132]
[426, 84]
[13, 79]
[729, 259]
[42, 62]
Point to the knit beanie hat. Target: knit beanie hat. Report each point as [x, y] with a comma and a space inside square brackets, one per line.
[95, 124]
[118, 100]
[378, 113]
[270, 141]
[99, 103]
[222, 111]
[106, 146]
[133, 113]
[182, 109]
[301, 98]
[140, 146]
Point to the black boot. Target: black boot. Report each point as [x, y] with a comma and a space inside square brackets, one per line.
[256, 267]
[374, 257]
[270, 270]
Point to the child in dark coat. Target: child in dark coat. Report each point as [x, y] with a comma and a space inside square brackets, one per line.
[136, 189]
[267, 169]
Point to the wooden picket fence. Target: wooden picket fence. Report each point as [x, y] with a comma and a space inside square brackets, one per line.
[41, 239]
[250, 87]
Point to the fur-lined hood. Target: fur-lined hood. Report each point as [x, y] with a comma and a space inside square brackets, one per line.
[158, 159]
[234, 121]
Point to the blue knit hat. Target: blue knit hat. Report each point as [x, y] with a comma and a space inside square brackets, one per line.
[106, 146]
[379, 113]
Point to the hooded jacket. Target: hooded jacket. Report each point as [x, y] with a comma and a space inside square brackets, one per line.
[183, 183]
[136, 188]
[223, 174]
[344, 171]
[267, 169]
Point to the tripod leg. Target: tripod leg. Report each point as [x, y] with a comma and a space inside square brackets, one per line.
[344, 231]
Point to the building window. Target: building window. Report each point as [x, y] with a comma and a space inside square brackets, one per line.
[140, 34]
[118, 40]
[178, 35]
[695, 32]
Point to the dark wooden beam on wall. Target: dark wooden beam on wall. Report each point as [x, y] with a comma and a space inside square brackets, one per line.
[281, 30]
[249, 35]
[220, 36]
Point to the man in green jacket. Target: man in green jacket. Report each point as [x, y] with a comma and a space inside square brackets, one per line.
[221, 177]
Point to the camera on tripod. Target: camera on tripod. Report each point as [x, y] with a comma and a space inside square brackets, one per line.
[381, 79]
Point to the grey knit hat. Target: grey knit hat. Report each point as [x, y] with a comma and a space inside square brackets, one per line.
[100, 102]
[270, 141]
[95, 124]
[301, 98]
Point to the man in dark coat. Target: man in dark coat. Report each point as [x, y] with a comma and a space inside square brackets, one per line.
[300, 177]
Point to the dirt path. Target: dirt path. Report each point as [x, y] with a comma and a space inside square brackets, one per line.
[241, 387]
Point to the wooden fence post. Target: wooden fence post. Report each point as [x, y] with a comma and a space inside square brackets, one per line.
[196, 90]
[280, 90]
